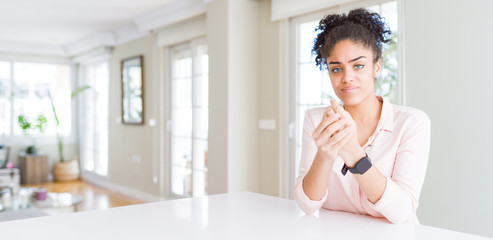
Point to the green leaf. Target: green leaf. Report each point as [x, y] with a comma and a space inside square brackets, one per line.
[41, 123]
[78, 91]
[24, 124]
[53, 108]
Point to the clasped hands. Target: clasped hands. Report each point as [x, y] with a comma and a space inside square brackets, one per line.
[337, 135]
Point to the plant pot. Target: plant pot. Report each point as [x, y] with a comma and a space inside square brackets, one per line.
[66, 171]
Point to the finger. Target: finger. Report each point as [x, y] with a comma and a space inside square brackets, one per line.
[324, 123]
[328, 112]
[336, 107]
[346, 132]
[337, 141]
[321, 128]
[341, 138]
[339, 109]
[333, 128]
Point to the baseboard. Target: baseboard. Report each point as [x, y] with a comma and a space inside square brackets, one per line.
[104, 183]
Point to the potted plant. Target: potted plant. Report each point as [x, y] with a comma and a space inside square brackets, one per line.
[27, 126]
[65, 170]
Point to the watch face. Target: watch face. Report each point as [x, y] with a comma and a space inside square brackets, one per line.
[362, 166]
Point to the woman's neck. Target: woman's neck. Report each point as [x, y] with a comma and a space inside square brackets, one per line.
[367, 110]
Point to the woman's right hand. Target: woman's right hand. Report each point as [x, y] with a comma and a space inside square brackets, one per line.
[331, 134]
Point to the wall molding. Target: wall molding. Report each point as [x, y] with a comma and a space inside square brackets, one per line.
[86, 44]
[100, 53]
[285, 9]
[182, 32]
[31, 48]
[170, 14]
[143, 25]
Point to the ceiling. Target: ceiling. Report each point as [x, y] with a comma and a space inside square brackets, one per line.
[61, 22]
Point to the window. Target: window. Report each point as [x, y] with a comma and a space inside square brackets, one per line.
[5, 98]
[189, 118]
[24, 90]
[312, 87]
[94, 118]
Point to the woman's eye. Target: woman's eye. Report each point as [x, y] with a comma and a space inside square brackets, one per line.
[336, 70]
[359, 66]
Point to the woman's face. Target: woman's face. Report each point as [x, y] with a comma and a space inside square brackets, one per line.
[352, 72]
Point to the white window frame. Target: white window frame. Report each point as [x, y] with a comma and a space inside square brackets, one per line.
[292, 75]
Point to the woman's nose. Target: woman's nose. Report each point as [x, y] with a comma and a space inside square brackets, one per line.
[348, 76]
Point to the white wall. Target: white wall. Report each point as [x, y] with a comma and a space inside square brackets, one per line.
[449, 58]
[268, 101]
[217, 156]
[127, 142]
[243, 57]
[232, 27]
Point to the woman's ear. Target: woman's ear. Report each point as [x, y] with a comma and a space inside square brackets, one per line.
[378, 68]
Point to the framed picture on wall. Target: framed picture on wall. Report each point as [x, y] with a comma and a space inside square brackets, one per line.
[132, 90]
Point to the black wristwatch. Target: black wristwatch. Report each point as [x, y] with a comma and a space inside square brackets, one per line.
[360, 168]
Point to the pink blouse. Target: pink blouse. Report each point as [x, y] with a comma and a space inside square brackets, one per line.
[399, 148]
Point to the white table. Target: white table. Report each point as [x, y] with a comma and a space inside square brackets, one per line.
[225, 216]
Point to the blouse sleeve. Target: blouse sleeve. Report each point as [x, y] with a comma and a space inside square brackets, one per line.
[308, 152]
[400, 198]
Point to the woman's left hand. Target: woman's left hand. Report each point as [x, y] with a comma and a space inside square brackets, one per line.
[351, 152]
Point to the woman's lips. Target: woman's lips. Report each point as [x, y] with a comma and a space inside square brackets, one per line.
[349, 89]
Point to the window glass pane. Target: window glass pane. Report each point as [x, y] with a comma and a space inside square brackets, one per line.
[94, 109]
[201, 91]
[87, 122]
[181, 122]
[386, 82]
[201, 60]
[182, 92]
[181, 166]
[327, 90]
[200, 119]
[389, 12]
[201, 123]
[306, 38]
[205, 64]
[101, 100]
[310, 82]
[4, 116]
[182, 64]
[33, 82]
[5, 69]
[190, 119]
[199, 167]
